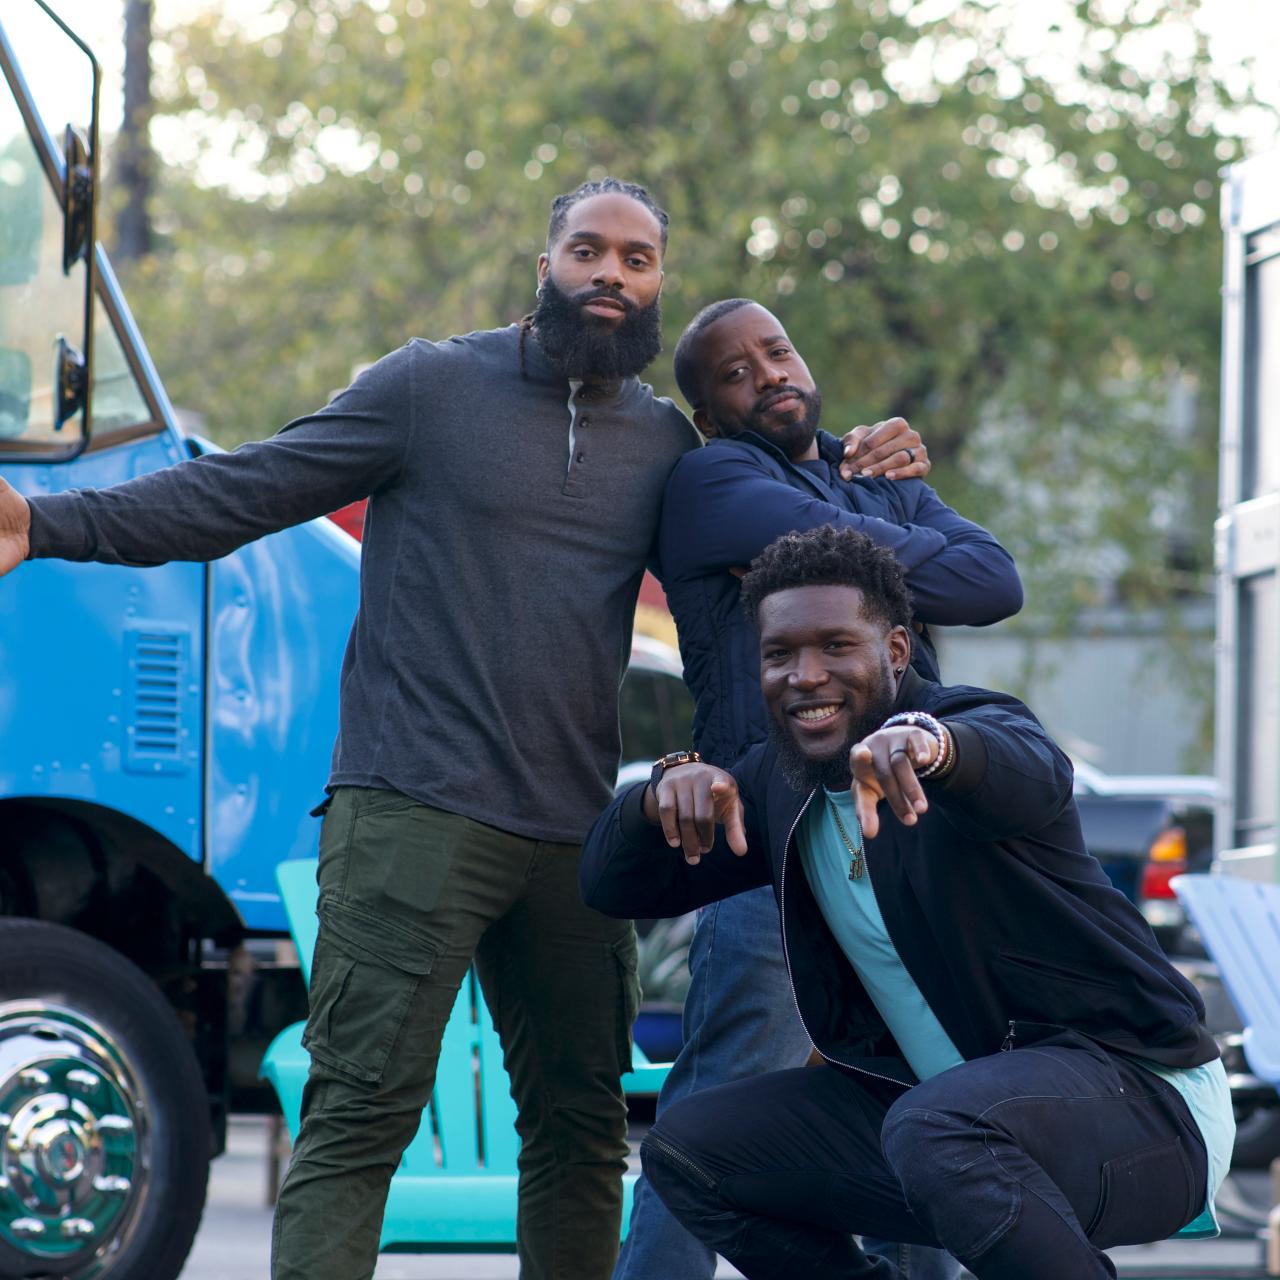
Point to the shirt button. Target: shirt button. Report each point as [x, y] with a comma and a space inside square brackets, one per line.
[582, 457]
[584, 422]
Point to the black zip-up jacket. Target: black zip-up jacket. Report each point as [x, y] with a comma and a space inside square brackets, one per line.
[1004, 920]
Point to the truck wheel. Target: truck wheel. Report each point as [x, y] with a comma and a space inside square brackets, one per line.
[104, 1119]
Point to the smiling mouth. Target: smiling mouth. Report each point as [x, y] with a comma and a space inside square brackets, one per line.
[816, 715]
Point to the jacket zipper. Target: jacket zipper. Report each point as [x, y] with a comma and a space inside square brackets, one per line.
[1008, 1040]
[680, 1158]
[786, 954]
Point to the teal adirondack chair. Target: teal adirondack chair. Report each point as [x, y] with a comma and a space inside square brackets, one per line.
[456, 1186]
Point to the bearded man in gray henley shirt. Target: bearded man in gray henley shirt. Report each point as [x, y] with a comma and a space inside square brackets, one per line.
[516, 477]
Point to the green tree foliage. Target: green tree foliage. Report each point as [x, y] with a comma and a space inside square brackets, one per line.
[1016, 247]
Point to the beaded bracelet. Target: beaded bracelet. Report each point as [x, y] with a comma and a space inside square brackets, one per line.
[943, 761]
[945, 757]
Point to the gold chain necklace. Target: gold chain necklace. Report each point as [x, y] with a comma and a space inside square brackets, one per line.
[857, 863]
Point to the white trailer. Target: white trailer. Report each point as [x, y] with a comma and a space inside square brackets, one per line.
[1247, 549]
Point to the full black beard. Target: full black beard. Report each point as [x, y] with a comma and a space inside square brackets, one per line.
[803, 774]
[583, 347]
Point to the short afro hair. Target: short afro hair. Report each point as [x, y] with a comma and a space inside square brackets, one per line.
[561, 205]
[689, 373]
[831, 557]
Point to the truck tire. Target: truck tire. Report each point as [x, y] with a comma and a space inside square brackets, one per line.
[104, 1116]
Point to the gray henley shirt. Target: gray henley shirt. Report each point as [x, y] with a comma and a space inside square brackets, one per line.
[503, 553]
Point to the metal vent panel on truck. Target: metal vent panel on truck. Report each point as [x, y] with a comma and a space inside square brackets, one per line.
[158, 663]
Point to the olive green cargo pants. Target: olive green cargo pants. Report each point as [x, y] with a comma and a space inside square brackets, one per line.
[409, 896]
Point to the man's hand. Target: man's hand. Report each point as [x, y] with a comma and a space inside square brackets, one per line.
[15, 524]
[690, 801]
[884, 767]
[890, 449]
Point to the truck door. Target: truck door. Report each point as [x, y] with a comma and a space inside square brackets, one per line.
[107, 1115]
[108, 708]
[1248, 529]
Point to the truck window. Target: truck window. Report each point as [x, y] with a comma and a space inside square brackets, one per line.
[118, 402]
[38, 302]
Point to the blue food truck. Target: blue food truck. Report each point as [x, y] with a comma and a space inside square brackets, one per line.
[163, 734]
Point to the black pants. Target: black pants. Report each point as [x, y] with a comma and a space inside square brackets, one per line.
[1024, 1165]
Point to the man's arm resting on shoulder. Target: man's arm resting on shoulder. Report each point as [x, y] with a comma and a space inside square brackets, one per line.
[207, 507]
[722, 509]
[651, 856]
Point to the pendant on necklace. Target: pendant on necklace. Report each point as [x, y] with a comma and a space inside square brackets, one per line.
[857, 863]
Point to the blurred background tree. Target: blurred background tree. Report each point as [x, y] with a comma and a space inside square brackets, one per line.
[1005, 232]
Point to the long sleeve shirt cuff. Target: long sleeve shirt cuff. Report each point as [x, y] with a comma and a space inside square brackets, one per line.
[57, 528]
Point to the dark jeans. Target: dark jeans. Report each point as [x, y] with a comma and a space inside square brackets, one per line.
[1024, 1164]
[739, 1021]
[409, 896]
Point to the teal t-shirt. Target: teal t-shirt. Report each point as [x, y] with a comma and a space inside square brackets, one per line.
[853, 916]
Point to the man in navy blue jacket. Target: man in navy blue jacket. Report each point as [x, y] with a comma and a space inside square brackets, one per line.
[767, 470]
[1011, 1068]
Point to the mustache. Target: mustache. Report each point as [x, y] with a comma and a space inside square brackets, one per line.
[779, 393]
[607, 294]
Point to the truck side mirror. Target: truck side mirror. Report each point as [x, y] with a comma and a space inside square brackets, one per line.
[70, 369]
[70, 382]
[77, 202]
[15, 392]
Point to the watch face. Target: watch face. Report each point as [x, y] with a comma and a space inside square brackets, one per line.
[670, 761]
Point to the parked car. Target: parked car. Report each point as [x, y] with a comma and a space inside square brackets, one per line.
[655, 705]
[1146, 829]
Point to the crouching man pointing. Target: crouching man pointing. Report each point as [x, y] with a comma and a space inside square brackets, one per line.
[1013, 1070]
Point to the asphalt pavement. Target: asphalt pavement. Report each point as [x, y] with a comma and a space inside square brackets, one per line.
[234, 1239]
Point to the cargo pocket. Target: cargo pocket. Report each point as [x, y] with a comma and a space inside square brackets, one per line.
[364, 977]
[1146, 1196]
[400, 857]
[627, 960]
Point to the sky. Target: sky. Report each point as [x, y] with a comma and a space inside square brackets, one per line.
[1237, 29]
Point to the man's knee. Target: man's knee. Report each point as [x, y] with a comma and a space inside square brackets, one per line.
[940, 1158]
[583, 1130]
[686, 1130]
[344, 1118]
[927, 1146]
[675, 1173]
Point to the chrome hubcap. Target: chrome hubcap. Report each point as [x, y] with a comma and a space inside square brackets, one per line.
[72, 1138]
